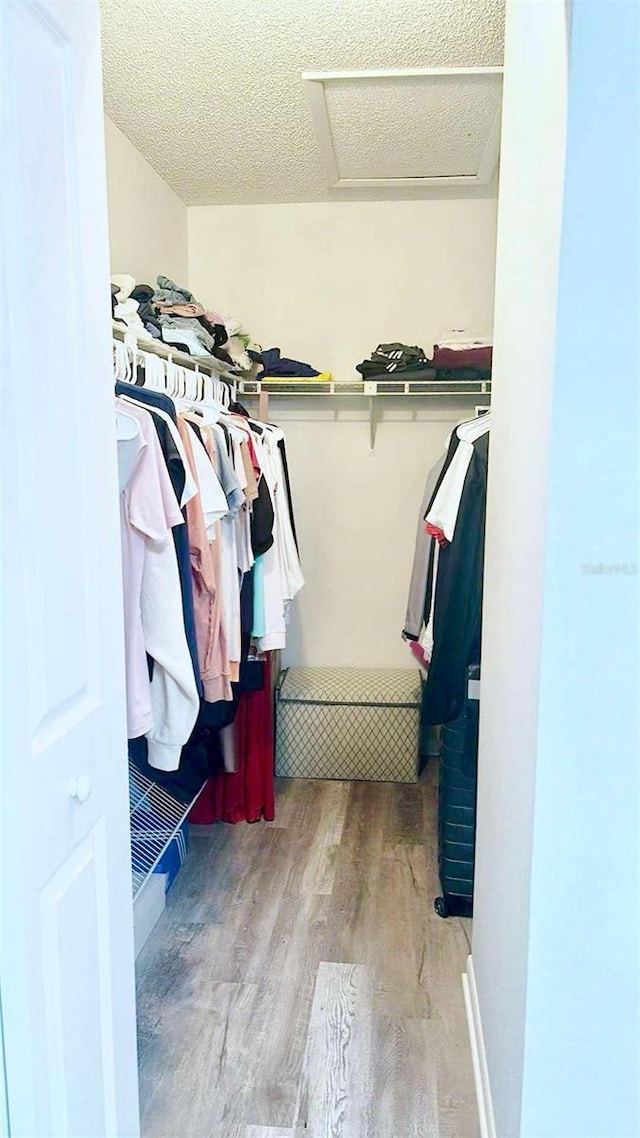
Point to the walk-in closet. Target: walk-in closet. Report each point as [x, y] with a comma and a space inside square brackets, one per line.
[313, 309]
[288, 844]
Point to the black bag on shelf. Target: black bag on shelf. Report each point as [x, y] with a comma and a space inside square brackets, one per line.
[457, 806]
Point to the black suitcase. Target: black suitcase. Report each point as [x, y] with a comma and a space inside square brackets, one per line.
[457, 806]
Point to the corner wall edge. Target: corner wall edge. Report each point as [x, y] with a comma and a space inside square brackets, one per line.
[478, 1053]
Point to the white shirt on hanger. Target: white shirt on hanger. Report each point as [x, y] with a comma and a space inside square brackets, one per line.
[444, 510]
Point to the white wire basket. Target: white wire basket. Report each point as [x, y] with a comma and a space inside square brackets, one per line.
[156, 817]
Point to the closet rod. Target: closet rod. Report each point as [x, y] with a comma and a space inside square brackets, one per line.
[209, 365]
[371, 388]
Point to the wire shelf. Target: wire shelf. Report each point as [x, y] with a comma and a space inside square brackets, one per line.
[210, 365]
[367, 387]
[371, 389]
[155, 817]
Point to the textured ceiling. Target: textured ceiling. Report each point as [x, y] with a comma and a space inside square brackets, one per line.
[210, 91]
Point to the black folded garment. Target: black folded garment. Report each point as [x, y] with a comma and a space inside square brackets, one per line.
[394, 359]
[201, 758]
[218, 332]
[400, 353]
[466, 374]
[147, 311]
[375, 369]
[402, 375]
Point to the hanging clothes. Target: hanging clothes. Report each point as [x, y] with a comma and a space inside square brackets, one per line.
[418, 586]
[445, 598]
[207, 586]
[247, 795]
[206, 500]
[164, 707]
[180, 475]
[458, 598]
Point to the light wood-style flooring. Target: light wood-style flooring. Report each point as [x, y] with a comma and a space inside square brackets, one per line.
[299, 982]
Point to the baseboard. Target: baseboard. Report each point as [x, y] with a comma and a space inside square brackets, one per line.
[478, 1053]
[148, 907]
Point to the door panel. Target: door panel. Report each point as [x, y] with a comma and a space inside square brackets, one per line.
[77, 895]
[66, 943]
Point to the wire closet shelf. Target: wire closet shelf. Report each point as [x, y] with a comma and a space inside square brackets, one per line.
[367, 387]
[155, 817]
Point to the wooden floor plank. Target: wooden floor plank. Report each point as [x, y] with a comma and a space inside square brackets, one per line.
[300, 975]
[405, 821]
[404, 1055]
[205, 1034]
[320, 869]
[333, 1101]
[267, 1132]
[282, 1010]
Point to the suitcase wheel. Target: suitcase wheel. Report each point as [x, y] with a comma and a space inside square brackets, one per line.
[441, 907]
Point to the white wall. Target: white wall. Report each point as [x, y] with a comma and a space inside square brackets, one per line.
[357, 514]
[147, 220]
[327, 282]
[582, 1052]
[557, 907]
[529, 226]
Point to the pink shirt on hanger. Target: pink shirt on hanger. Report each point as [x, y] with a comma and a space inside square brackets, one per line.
[213, 657]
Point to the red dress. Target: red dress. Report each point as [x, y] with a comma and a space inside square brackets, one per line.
[247, 794]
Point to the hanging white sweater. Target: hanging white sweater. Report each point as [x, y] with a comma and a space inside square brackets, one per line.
[282, 573]
[154, 601]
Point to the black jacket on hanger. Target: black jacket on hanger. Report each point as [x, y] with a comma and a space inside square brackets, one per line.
[458, 599]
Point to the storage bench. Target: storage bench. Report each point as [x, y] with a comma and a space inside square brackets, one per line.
[348, 723]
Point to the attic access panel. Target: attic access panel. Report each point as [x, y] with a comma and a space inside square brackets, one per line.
[414, 127]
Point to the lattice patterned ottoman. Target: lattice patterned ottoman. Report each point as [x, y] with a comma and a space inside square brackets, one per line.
[348, 723]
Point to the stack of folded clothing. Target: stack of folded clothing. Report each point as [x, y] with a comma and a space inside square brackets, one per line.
[455, 357]
[461, 357]
[397, 361]
[172, 314]
[125, 308]
[274, 366]
[186, 322]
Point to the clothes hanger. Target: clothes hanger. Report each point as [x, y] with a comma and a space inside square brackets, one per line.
[127, 431]
[192, 383]
[154, 372]
[221, 393]
[121, 364]
[198, 393]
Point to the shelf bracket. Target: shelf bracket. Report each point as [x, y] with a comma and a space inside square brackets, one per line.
[373, 422]
[371, 389]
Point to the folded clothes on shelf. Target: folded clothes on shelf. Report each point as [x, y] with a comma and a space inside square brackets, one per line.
[404, 375]
[459, 356]
[171, 313]
[462, 374]
[277, 366]
[461, 359]
[393, 360]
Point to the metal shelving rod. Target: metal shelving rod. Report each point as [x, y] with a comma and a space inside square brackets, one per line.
[372, 389]
[209, 365]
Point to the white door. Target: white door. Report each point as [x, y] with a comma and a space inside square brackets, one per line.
[66, 944]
